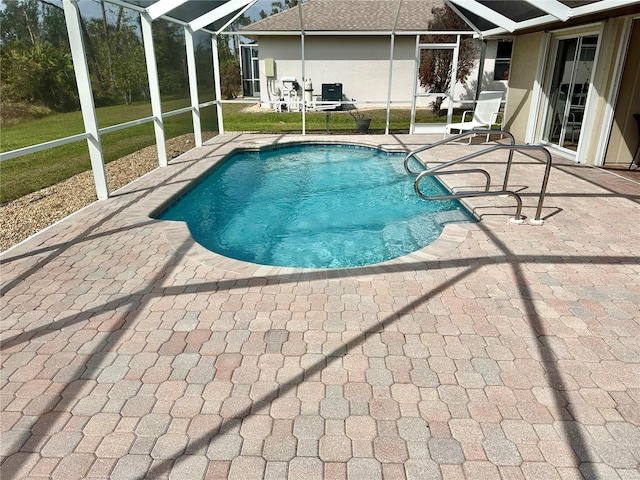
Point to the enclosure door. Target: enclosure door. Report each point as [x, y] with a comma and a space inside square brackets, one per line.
[567, 92]
[442, 59]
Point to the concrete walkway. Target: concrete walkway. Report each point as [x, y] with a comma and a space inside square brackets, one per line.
[500, 351]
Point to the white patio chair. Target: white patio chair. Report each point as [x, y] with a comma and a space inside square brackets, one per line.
[485, 114]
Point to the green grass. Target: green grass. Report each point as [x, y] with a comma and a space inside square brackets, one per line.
[23, 175]
[339, 121]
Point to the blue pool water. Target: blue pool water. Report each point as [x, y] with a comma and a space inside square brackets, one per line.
[313, 206]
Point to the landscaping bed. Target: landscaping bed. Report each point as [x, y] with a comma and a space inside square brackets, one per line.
[31, 213]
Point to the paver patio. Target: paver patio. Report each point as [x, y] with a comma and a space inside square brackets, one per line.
[500, 351]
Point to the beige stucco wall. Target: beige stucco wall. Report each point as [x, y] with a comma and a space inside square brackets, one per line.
[624, 133]
[520, 112]
[592, 132]
[361, 64]
[521, 81]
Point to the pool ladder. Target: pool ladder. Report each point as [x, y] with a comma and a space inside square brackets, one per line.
[512, 147]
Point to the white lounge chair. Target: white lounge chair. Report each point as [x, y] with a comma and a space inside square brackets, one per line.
[484, 115]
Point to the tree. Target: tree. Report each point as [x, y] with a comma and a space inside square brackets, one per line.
[39, 74]
[20, 22]
[435, 64]
[117, 75]
[168, 41]
[230, 81]
[36, 61]
[238, 23]
[278, 6]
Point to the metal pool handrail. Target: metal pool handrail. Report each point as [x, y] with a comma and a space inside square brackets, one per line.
[454, 139]
[435, 171]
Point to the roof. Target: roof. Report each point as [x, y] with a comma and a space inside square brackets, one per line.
[351, 15]
[496, 17]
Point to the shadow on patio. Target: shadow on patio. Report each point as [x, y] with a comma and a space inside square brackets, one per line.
[516, 351]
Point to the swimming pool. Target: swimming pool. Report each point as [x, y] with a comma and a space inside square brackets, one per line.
[313, 206]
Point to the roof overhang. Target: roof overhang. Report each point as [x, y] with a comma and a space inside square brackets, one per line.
[500, 17]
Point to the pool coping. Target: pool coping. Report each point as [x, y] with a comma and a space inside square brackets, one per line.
[217, 150]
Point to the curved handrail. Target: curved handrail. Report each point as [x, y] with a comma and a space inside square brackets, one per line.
[476, 194]
[468, 170]
[452, 139]
[433, 170]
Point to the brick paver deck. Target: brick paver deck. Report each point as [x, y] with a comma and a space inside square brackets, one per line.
[500, 351]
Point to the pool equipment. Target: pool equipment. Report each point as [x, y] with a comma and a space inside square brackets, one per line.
[290, 87]
[308, 92]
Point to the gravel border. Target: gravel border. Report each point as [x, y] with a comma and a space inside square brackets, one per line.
[28, 215]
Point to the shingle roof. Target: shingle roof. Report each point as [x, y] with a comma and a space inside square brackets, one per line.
[351, 15]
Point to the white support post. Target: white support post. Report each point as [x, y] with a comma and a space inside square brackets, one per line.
[216, 80]
[304, 106]
[193, 85]
[72, 18]
[154, 88]
[454, 76]
[416, 73]
[386, 128]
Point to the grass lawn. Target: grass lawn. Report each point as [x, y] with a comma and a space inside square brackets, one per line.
[23, 175]
[269, 121]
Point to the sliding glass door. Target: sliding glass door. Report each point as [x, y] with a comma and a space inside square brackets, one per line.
[567, 91]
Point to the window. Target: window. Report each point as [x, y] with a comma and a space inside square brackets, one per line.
[503, 60]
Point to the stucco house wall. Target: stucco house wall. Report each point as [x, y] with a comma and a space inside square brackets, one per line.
[360, 64]
[521, 80]
[624, 133]
[532, 63]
